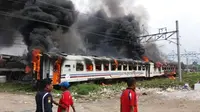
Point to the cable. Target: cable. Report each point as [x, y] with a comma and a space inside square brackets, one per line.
[69, 10]
[56, 10]
[66, 10]
[14, 44]
[36, 20]
[22, 37]
[114, 22]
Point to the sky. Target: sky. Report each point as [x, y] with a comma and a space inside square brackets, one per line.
[164, 13]
[159, 13]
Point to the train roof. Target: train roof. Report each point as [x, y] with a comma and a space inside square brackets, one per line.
[101, 58]
[95, 58]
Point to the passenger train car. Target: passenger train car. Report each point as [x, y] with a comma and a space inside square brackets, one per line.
[77, 68]
[83, 68]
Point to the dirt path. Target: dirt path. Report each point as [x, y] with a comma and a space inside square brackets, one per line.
[149, 103]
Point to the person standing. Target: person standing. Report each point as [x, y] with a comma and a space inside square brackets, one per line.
[66, 100]
[43, 97]
[128, 100]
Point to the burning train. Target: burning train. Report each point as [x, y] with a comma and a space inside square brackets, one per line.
[55, 25]
[78, 68]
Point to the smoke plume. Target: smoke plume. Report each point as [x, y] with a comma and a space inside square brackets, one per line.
[7, 32]
[36, 33]
[153, 52]
[110, 33]
[113, 33]
[114, 8]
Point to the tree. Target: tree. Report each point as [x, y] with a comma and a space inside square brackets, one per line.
[195, 63]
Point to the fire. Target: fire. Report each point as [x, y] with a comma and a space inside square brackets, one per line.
[27, 69]
[36, 53]
[145, 58]
[57, 70]
[158, 64]
[116, 63]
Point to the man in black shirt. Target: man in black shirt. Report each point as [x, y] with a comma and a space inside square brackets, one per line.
[43, 97]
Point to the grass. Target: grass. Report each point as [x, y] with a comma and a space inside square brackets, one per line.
[15, 87]
[85, 89]
[190, 78]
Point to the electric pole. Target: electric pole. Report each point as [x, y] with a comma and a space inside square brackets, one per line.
[165, 35]
[178, 51]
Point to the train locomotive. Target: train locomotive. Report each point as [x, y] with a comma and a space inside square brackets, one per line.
[77, 68]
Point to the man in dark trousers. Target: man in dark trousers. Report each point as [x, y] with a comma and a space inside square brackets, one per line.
[128, 99]
[43, 97]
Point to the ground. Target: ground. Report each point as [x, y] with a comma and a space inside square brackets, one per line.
[155, 101]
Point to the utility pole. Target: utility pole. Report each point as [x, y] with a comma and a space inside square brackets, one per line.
[189, 55]
[187, 61]
[178, 51]
[165, 35]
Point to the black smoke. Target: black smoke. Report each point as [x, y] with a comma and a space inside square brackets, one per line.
[36, 33]
[113, 33]
[153, 52]
[114, 7]
[116, 36]
[7, 30]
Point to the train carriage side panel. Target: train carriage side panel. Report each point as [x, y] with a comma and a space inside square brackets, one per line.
[140, 71]
[152, 70]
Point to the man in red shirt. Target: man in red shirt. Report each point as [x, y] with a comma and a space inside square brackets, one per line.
[128, 99]
[66, 100]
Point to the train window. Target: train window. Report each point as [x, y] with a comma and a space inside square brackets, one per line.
[130, 67]
[119, 67]
[134, 67]
[106, 67]
[89, 67]
[125, 67]
[139, 67]
[113, 67]
[79, 67]
[68, 66]
[98, 67]
[159, 69]
[143, 68]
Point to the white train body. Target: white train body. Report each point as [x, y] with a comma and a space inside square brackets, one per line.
[76, 68]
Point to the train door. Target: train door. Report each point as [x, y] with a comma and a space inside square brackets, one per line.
[147, 69]
[67, 68]
[152, 70]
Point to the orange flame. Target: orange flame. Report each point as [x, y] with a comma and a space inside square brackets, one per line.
[36, 53]
[27, 69]
[57, 71]
[89, 67]
[116, 63]
[145, 58]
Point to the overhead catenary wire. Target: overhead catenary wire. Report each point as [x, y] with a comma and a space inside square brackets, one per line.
[36, 20]
[15, 43]
[69, 10]
[54, 9]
